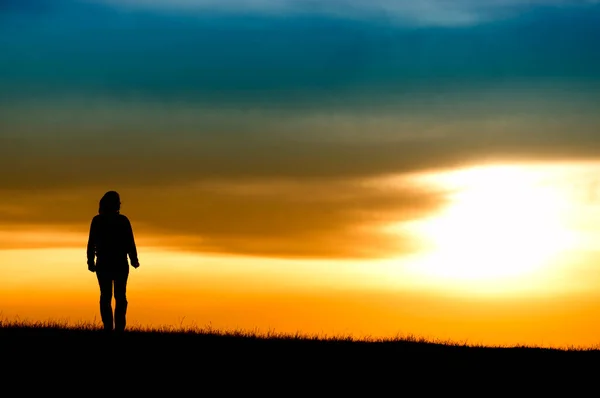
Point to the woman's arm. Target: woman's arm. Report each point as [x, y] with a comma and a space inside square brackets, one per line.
[91, 247]
[132, 251]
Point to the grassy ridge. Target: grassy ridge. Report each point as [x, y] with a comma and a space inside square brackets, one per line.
[150, 359]
[193, 335]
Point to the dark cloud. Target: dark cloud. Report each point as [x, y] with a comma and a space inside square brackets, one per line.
[310, 220]
[287, 219]
[77, 147]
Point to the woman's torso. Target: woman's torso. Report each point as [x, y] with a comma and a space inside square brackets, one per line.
[111, 240]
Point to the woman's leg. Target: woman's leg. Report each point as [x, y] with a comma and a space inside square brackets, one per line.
[106, 285]
[121, 301]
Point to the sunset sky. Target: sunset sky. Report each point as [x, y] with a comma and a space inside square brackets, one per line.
[373, 168]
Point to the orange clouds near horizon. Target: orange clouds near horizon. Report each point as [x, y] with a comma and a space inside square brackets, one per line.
[518, 269]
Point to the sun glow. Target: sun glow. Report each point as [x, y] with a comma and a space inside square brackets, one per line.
[500, 223]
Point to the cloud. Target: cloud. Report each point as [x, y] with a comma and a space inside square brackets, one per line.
[268, 182]
[422, 12]
[88, 143]
[290, 219]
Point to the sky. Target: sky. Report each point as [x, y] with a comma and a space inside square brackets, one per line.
[337, 167]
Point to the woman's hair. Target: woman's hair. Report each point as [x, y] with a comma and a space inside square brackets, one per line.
[110, 203]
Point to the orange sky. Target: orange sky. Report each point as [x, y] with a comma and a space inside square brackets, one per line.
[524, 276]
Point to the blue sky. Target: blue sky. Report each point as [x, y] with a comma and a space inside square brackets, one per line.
[196, 49]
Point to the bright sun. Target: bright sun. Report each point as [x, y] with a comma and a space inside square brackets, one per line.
[500, 222]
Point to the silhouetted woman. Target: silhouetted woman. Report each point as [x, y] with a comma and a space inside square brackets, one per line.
[110, 242]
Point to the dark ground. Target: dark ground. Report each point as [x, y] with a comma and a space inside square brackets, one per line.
[84, 362]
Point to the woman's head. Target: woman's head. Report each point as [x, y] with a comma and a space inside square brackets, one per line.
[110, 203]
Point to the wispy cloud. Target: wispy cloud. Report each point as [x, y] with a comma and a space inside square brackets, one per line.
[285, 218]
[423, 12]
[162, 143]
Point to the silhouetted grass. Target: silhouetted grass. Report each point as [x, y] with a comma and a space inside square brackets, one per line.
[18, 328]
[190, 356]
